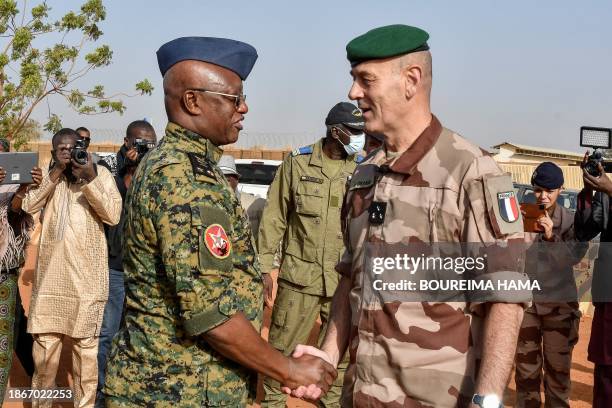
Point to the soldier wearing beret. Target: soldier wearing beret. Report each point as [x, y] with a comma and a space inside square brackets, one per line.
[303, 211]
[193, 285]
[426, 185]
[549, 330]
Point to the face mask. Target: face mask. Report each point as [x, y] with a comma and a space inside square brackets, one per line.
[355, 145]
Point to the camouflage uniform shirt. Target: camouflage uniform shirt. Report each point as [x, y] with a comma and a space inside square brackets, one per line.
[418, 354]
[190, 264]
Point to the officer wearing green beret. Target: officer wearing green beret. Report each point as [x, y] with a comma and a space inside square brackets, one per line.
[303, 211]
[427, 184]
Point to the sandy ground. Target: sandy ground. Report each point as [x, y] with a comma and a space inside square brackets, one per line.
[582, 370]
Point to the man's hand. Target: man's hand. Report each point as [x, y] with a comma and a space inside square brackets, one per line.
[2, 174]
[132, 154]
[311, 373]
[310, 391]
[268, 289]
[37, 176]
[546, 223]
[85, 171]
[601, 183]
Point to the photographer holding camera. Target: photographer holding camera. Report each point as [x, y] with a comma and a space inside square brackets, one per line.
[139, 139]
[592, 218]
[71, 282]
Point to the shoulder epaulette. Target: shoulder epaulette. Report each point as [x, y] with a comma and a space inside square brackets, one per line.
[302, 150]
[201, 166]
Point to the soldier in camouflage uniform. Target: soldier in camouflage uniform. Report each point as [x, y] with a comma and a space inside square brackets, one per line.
[549, 330]
[426, 185]
[303, 211]
[193, 286]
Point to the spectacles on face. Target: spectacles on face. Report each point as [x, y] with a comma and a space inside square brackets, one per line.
[238, 99]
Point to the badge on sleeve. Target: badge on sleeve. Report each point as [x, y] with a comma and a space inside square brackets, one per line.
[508, 207]
[217, 242]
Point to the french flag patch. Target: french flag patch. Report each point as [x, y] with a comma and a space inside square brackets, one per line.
[508, 207]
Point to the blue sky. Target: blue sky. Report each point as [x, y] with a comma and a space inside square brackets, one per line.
[522, 71]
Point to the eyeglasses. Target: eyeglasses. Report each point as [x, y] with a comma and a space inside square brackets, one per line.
[238, 99]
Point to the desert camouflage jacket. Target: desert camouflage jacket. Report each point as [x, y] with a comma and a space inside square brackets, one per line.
[442, 189]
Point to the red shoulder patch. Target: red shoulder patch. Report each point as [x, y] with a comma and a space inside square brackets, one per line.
[217, 241]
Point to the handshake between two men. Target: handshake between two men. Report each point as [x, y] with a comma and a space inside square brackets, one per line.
[315, 389]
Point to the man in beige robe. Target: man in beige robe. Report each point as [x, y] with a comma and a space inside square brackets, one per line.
[71, 285]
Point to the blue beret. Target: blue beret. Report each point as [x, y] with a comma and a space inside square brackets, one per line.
[547, 175]
[234, 55]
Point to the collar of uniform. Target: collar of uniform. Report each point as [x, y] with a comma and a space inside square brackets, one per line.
[317, 151]
[407, 162]
[192, 142]
[316, 158]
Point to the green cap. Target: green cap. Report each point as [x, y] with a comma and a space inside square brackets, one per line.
[385, 42]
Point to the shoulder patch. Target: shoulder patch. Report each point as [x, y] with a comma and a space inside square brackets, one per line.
[201, 165]
[302, 150]
[502, 205]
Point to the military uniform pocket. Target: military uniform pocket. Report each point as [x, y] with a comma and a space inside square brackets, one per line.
[298, 262]
[214, 244]
[309, 199]
[277, 338]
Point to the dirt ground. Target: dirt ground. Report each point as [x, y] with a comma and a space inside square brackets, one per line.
[582, 370]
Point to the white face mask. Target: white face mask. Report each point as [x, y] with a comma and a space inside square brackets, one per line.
[356, 143]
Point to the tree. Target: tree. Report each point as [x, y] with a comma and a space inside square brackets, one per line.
[29, 74]
[30, 131]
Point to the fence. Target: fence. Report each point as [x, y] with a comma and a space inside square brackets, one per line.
[44, 151]
[521, 173]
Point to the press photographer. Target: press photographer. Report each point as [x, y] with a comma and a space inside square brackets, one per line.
[593, 218]
[140, 138]
[71, 283]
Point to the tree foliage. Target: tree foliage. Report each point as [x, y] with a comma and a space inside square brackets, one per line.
[30, 131]
[29, 73]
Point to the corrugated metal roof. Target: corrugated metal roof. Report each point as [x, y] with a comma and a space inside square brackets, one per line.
[540, 149]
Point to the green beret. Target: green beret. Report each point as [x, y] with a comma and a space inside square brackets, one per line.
[385, 42]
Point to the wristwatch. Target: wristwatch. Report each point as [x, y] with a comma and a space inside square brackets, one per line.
[487, 401]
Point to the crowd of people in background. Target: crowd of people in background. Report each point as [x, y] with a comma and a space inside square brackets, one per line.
[78, 289]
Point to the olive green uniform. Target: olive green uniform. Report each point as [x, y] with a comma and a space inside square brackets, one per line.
[303, 211]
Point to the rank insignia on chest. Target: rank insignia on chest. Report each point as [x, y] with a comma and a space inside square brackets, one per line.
[377, 212]
[217, 242]
[508, 207]
[201, 165]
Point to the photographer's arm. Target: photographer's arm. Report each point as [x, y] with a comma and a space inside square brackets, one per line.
[35, 199]
[103, 197]
[591, 212]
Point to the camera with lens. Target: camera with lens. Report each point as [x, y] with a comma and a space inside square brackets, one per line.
[598, 139]
[79, 151]
[142, 146]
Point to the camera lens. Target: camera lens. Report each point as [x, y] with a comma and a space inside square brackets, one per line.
[80, 156]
